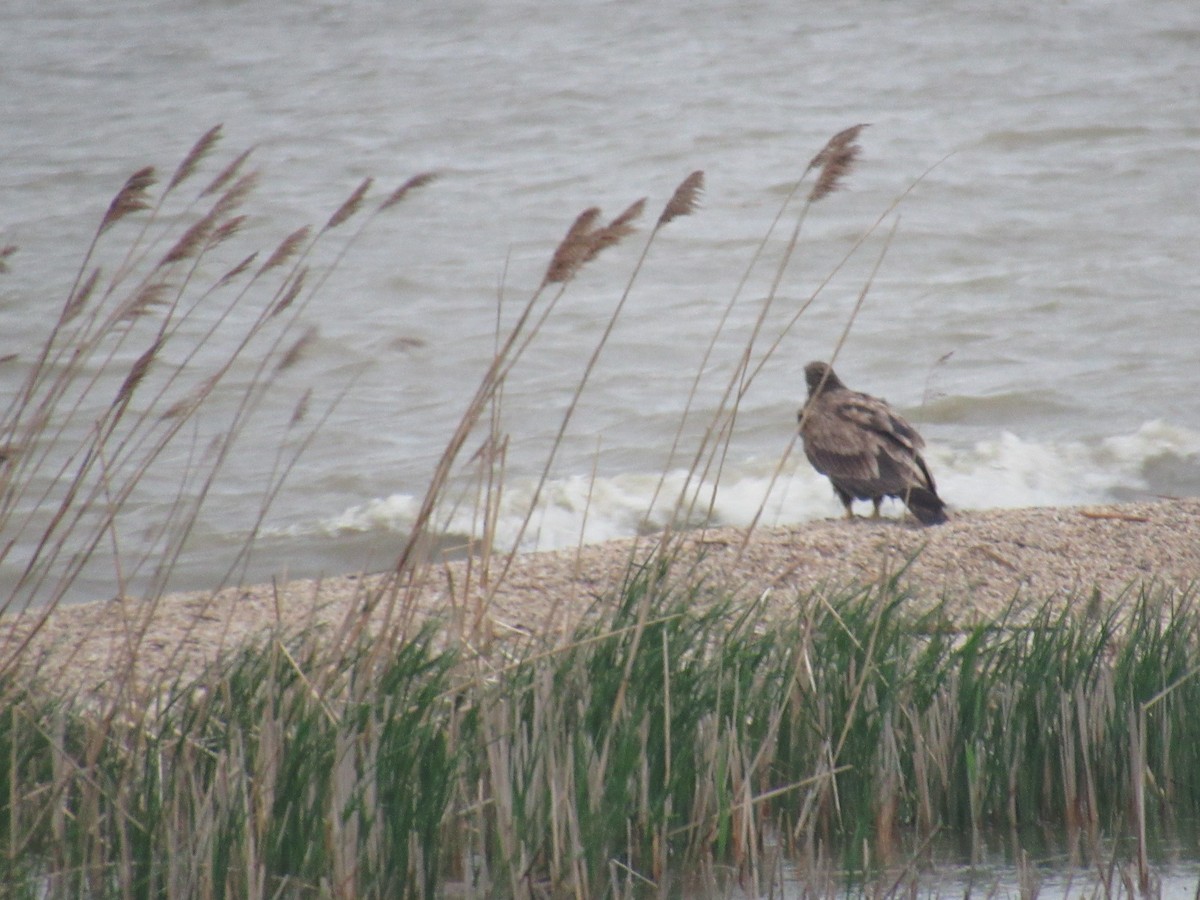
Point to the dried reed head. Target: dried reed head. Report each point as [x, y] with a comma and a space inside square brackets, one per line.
[685, 200]
[835, 161]
[137, 373]
[294, 352]
[238, 269]
[131, 198]
[300, 411]
[77, 300]
[188, 403]
[191, 241]
[584, 242]
[148, 296]
[226, 230]
[235, 195]
[292, 292]
[615, 231]
[227, 174]
[350, 206]
[5, 252]
[572, 249]
[286, 249]
[417, 181]
[200, 150]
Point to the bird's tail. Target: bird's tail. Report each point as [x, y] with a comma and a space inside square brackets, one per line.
[926, 505]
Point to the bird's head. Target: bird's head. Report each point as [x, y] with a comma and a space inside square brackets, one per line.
[820, 377]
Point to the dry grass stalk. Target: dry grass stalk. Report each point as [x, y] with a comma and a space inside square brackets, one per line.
[286, 249]
[417, 181]
[130, 199]
[5, 252]
[227, 174]
[835, 161]
[685, 200]
[351, 206]
[201, 149]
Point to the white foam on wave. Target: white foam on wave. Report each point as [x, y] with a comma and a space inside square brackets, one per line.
[1007, 471]
[1010, 471]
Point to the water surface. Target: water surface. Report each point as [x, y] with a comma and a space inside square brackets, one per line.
[1036, 313]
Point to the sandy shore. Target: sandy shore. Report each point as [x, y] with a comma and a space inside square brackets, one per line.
[978, 563]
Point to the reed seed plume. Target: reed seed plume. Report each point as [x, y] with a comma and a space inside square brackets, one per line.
[238, 269]
[194, 157]
[294, 352]
[572, 251]
[835, 161]
[225, 231]
[80, 298]
[147, 297]
[351, 206]
[5, 253]
[300, 411]
[835, 144]
[286, 249]
[131, 198]
[584, 242]
[188, 403]
[235, 195]
[191, 241]
[685, 200]
[615, 231]
[137, 374]
[227, 174]
[417, 181]
[292, 292]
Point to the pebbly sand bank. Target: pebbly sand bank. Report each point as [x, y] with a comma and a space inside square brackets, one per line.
[976, 564]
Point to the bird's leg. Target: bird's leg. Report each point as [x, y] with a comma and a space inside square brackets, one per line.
[876, 501]
[846, 501]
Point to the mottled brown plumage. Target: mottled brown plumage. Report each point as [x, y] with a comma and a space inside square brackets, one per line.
[865, 449]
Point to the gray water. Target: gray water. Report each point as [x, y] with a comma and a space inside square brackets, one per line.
[1048, 260]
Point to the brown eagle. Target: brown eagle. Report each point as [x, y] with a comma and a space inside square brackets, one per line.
[867, 450]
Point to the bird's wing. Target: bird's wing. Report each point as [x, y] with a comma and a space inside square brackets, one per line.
[899, 446]
[836, 443]
[876, 416]
[853, 436]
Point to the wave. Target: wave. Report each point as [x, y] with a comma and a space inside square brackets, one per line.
[1158, 459]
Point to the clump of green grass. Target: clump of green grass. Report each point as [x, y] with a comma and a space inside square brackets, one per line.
[675, 741]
